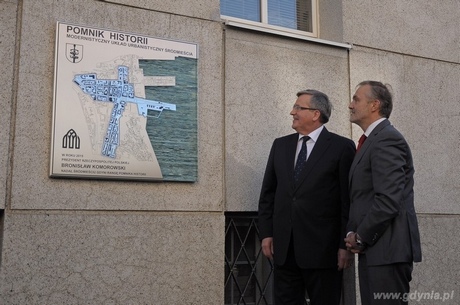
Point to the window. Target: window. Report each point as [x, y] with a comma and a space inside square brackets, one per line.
[248, 274]
[295, 16]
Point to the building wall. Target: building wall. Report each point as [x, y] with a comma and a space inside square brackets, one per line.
[415, 47]
[7, 51]
[262, 78]
[106, 242]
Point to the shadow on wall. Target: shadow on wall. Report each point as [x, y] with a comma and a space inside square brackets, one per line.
[243, 183]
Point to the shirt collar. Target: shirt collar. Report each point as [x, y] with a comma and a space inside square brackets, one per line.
[372, 126]
[314, 134]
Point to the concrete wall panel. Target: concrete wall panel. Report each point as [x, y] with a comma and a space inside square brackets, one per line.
[203, 9]
[426, 110]
[424, 28]
[121, 258]
[262, 79]
[436, 280]
[331, 20]
[34, 111]
[8, 21]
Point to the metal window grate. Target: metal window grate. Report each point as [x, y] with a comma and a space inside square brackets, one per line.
[248, 273]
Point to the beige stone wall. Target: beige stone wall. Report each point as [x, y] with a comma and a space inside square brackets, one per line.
[426, 111]
[262, 78]
[421, 28]
[415, 47]
[34, 110]
[106, 242]
[112, 258]
[8, 11]
[439, 272]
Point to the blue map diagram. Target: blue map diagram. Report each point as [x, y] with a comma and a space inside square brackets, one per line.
[119, 92]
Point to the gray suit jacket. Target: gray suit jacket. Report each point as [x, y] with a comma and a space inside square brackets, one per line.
[382, 210]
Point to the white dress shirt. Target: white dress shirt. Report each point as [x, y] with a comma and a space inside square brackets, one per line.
[310, 143]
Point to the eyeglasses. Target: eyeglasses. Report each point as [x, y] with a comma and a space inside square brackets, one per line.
[298, 108]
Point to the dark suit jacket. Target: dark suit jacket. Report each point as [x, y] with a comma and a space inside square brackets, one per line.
[382, 198]
[315, 211]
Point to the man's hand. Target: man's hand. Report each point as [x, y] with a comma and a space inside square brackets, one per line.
[267, 247]
[351, 243]
[345, 259]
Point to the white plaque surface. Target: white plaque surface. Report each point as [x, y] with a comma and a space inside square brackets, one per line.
[124, 106]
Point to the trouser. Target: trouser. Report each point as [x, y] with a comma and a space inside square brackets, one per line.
[386, 284]
[323, 286]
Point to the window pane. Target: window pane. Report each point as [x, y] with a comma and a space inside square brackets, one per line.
[304, 15]
[282, 13]
[244, 9]
[293, 14]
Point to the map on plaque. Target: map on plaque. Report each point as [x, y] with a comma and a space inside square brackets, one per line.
[125, 106]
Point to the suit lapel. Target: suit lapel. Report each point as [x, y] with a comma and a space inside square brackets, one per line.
[291, 148]
[363, 150]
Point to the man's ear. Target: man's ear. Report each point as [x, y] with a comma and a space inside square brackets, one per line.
[317, 116]
[376, 105]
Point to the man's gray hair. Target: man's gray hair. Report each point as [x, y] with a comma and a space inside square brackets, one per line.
[319, 101]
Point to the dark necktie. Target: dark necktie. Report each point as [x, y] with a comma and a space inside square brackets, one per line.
[301, 158]
[361, 141]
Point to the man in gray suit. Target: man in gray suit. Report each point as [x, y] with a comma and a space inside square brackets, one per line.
[382, 226]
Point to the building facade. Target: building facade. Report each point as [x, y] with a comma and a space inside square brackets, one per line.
[86, 241]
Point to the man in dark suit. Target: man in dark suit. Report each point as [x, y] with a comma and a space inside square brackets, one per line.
[383, 225]
[304, 205]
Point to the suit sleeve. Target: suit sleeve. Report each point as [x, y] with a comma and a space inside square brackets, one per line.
[388, 161]
[344, 170]
[267, 197]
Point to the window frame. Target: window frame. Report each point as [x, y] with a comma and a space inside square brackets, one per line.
[264, 26]
[282, 31]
